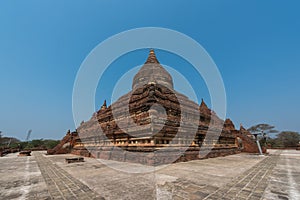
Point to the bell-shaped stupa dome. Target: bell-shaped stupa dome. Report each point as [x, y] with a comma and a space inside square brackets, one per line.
[152, 72]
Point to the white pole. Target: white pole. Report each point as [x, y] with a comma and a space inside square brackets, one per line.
[259, 147]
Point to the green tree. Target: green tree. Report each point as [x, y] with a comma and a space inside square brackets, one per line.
[28, 146]
[288, 138]
[275, 143]
[37, 143]
[0, 138]
[14, 145]
[264, 131]
[263, 128]
[50, 144]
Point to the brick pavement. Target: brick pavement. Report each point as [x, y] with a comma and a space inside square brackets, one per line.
[234, 177]
[249, 185]
[61, 185]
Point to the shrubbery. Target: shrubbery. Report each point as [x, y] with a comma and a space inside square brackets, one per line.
[285, 139]
[38, 144]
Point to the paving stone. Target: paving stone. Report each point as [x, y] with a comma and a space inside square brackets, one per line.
[244, 186]
[62, 185]
[271, 177]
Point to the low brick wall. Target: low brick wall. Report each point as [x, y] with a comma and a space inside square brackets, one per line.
[153, 158]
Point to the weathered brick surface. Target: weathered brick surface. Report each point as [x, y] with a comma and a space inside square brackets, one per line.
[249, 185]
[135, 129]
[62, 185]
[65, 145]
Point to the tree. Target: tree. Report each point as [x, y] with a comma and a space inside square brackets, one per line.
[37, 143]
[262, 128]
[288, 138]
[275, 143]
[0, 138]
[50, 144]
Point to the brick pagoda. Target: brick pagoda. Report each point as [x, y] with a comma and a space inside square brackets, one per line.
[154, 124]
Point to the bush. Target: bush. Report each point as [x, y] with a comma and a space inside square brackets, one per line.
[285, 139]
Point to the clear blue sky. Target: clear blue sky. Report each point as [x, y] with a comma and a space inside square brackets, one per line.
[255, 44]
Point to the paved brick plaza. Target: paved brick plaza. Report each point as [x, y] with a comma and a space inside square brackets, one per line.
[240, 176]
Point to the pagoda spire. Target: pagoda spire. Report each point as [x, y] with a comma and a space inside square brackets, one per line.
[151, 57]
[203, 104]
[104, 106]
[242, 127]
[203, 108]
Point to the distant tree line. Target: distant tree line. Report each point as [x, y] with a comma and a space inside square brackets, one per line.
[267, 137]
[285, 139]
[37, 144]
[10, 142]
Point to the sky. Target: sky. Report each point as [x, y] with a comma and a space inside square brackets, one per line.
[255, 45]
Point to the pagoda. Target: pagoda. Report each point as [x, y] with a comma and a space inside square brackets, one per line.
[154, 124]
